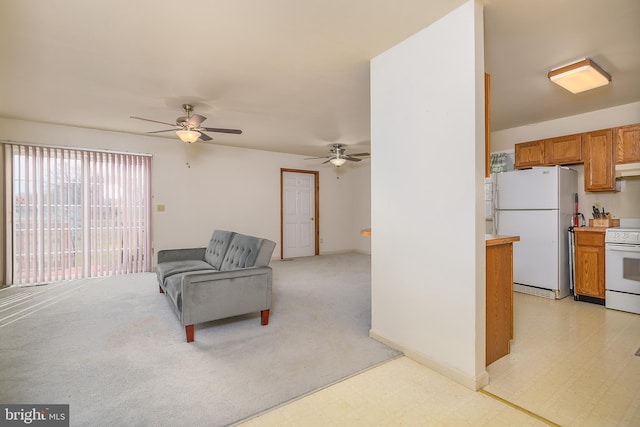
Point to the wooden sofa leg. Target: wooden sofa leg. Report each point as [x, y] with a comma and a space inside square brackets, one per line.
[190, 330]
[161, 291]
[264, 314]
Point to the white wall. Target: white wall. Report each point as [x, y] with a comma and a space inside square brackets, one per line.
[622, 204]
[428, 249]
[361, 201]
[224, 187]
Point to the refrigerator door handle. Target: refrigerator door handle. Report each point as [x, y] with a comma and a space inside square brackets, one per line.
[496, 206]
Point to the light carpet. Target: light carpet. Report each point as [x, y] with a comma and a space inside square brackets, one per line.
[113, 349]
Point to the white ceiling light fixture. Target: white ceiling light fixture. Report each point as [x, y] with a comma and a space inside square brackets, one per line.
[338, 161]
[580, 76]
[189, 128]
[189, 136]
[338, 156]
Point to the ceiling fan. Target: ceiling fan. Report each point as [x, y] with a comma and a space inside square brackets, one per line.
[188, 128]
[338, 156]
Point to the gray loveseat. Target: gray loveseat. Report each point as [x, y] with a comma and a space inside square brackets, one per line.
[230, 277]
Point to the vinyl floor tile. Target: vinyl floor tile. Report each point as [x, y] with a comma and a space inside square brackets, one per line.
[572, 363]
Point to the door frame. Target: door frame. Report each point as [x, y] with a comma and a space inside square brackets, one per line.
[316, 195]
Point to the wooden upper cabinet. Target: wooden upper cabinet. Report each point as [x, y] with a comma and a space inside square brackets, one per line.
[487, 125]
[599, 170]
[528, 154]
[599, 150]
[563, 150]
[628, 141]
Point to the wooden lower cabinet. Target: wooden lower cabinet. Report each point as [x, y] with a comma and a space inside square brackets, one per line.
[589, 262]
[499, 296]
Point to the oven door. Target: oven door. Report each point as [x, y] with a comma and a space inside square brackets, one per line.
[623, 268]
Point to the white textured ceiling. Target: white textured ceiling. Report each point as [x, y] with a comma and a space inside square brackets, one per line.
[292, 74]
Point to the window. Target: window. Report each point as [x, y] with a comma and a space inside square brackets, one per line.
[77, 213]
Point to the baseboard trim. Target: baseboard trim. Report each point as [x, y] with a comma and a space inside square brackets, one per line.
[344, 251]
[474, 383]
[538, 292]
[358, 251]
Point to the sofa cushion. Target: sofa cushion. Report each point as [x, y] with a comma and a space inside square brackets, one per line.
[168, 269]
[242, 252]
[220, 240]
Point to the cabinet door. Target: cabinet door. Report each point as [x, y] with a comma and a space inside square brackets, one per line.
[628, 139]
[563, 150]
[499, 301]
[529, 154]
[487, 125]
[590, 264]
[590, 271]
[599, 171]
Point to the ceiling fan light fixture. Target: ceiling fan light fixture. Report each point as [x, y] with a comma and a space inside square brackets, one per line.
[337, 162]
[580, 76]
[189, 136]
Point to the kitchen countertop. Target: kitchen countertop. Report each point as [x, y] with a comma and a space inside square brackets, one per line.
[494, 239]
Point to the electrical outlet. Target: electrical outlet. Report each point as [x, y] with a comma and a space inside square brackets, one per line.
[321, 240]
[160, 208]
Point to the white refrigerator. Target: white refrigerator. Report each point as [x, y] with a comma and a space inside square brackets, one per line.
[537, 205]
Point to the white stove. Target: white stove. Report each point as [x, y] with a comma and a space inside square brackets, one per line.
[622, 252]
[623, 236]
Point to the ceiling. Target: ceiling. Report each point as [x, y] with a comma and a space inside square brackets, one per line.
[293, 75]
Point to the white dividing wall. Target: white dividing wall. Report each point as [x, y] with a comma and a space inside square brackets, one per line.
[428, 249]
[224, 187]
[622, 204]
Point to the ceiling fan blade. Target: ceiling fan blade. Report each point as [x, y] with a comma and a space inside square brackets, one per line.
[236, 131]
[316, 158]
[160, 131]
[154, 121]
[360, 154]
[326, 161]
[196, 119]
[352, 159]
[205, 137]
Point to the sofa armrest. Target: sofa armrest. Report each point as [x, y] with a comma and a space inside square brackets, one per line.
[168, 255]
[217, 295]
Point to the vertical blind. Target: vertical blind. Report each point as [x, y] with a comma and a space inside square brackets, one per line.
[77, 213]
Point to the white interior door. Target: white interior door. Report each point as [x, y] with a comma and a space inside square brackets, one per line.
[298, 214]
